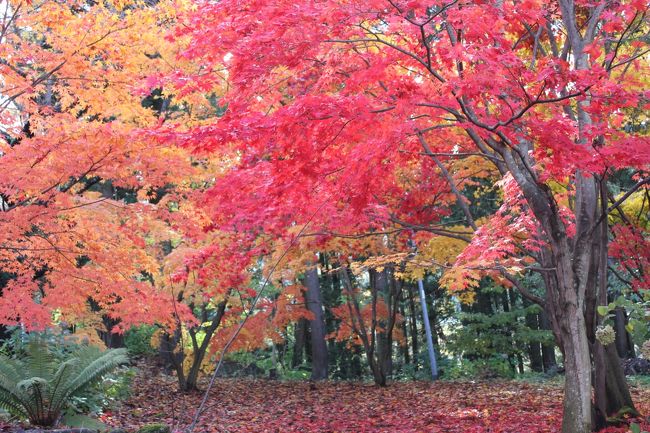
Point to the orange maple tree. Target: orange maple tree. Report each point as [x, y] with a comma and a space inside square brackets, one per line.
[79, 183]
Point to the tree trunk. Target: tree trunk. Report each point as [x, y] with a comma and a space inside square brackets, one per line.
[611, 395]
[198, 355]
[356, 365]
[273, 371]
[368, 335]
[111, 339]
[300, 336]
[548, 350]
[534, 348]
[414, 327]
[317, 325]
[385, 336]
[576, 417]
[404, 325]
[624, 345]
[617, 391]
[378, 374]
[173, 358]
[574, 287]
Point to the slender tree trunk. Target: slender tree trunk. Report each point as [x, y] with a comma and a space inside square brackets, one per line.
[548, 350]
[367, 334]
[356, 365]
[173, 357]
[384, 335]
[317, 325]
[200, 350]
[404, 325]
[520, 363]
[534, 348]
[414, 327]
[300, 338]
[273, 372]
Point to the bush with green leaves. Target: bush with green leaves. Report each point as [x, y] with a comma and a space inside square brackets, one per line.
[39, 386]
[480, 335]
[138, 340]
[485, 368]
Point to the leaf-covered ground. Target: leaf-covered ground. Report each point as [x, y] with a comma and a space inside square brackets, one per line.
[246, 405]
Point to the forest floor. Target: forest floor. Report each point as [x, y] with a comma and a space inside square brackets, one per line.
[248, 405]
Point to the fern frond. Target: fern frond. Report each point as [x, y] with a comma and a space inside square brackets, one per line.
[101, 365]
[11, 398]
[11, 368]
[60, 382]
[39, 360]
[34, 389]
[39, 387]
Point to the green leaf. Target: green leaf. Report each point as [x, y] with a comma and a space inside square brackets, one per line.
[603, 310]
[629, 327]
[634, 428]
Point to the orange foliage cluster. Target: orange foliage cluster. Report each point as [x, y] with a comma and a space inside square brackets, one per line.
[73, 148]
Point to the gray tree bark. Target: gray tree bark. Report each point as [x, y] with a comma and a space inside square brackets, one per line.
[300, 337]
[319, 364]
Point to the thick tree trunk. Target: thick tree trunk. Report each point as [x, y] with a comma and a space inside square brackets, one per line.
[617, 391]
[576, 284]
[577, 363]
[611, 395]
[317, 325]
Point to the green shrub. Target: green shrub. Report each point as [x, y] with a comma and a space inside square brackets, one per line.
[138, 340]
[489, 368]
[39, 386]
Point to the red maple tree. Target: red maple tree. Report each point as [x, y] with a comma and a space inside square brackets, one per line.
[353, 115]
